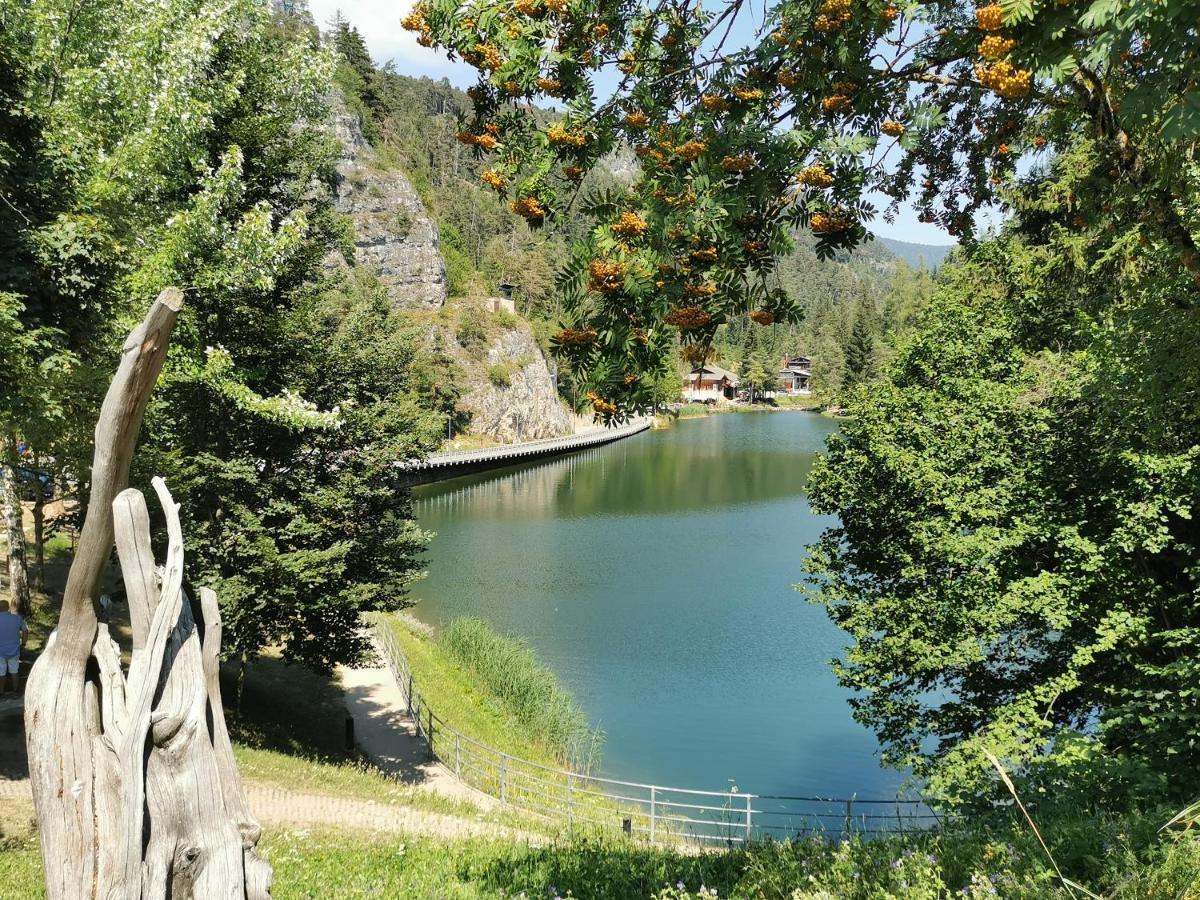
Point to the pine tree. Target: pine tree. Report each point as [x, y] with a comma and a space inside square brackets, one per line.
[861, 360]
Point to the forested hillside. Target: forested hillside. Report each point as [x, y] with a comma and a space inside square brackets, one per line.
[860, 303]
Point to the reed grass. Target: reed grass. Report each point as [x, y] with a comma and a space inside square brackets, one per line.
[510, 671]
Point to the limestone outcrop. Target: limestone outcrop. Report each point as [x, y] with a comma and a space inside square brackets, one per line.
[393, 235]
[527, 406]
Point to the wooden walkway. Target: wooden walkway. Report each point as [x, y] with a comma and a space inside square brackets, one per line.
[438, 466]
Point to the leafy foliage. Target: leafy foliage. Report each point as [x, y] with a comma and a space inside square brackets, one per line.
[832, 103]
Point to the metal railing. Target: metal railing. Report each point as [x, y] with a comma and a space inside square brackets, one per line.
[529, 448]
[655, 813]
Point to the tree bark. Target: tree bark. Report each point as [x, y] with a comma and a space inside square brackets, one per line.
[134, 786]
[18, 568]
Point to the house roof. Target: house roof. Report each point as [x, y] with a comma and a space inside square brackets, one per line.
[714, 372]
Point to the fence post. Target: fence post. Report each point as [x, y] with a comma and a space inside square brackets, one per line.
[432, 752]
[570, 797]
[457, 755]
[849, 814]
[503, 778]
[653, 810]
[408, 695]
[749, 812]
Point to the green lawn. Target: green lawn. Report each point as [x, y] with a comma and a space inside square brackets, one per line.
[974, 864]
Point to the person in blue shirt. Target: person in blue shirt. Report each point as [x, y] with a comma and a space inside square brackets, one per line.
[12, 638]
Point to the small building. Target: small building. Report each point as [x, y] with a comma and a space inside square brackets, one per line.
[500, 304]
[795, 375]
[707, 384]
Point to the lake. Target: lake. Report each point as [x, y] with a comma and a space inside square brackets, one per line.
[655, 577]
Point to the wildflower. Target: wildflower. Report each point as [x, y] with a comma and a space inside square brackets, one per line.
[891, 128]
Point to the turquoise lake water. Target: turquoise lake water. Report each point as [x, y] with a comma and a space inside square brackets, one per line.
[655, 577]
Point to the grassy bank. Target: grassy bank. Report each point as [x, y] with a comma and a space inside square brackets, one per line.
[1117, 859]
[500, 709]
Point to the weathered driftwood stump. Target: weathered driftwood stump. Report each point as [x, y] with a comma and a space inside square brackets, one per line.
[135, 786]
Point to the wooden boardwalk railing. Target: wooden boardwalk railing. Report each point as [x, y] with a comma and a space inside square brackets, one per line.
[509, 453]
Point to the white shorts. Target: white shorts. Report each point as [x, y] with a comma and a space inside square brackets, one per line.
[10, 664]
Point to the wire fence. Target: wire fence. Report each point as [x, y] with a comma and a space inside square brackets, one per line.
[654, 813]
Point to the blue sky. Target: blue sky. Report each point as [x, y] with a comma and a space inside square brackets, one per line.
[379, 23]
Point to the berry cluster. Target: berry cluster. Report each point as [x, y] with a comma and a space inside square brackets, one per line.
[529, 208]
[699, 289]
[892, 129]
[688, 318]
[576, 337]
[630, 225]
[990, 18]
[600, 405]
[739, 163]
[815, 176]
[1005, 79]
[691, 149]
[637, 119]
[494, 179]
[996, 46]
[830, 223]
[606, 277]
[558, 134]
[833, 14]
[763, 316]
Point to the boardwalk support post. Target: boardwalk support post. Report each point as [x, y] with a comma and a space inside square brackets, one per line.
[749, 813]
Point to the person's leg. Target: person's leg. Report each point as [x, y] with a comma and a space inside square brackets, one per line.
[10, 668]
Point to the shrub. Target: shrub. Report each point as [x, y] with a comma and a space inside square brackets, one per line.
[472, 328]
[498, 376]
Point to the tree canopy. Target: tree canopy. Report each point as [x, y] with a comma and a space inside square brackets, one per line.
[833, 107]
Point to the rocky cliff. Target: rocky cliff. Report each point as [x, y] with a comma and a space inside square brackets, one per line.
[516, 399]
[393, 235]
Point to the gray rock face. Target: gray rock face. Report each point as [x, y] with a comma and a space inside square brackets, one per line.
[527, 408]
[393, 235]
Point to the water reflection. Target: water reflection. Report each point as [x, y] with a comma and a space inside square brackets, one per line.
[655, 577]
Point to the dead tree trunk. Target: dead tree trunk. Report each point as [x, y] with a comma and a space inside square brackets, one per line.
[134, 783]
[18, 568]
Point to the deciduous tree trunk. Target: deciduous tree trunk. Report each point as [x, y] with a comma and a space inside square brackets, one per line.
[135, 787]
[18, 568]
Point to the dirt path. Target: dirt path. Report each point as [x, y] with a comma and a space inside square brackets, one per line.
[384, 731]
[278, 807]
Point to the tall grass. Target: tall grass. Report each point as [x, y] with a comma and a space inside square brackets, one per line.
[511, 672]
